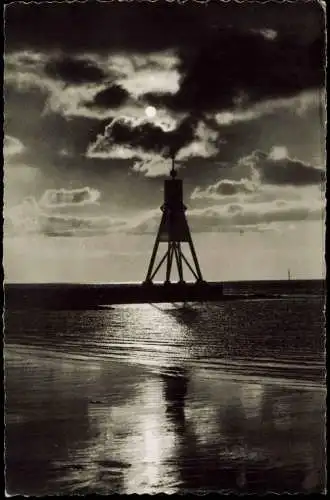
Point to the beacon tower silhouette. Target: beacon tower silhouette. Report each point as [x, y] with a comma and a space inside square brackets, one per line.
[173, 230]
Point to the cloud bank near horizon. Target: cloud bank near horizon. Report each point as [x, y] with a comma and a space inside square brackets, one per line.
[56, 214]
[250, 198]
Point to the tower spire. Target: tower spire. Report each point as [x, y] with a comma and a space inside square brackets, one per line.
[173, 172]
[173, 230]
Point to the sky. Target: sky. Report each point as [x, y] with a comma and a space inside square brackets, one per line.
[97, 96]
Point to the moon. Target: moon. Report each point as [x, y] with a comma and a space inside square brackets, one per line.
[278, 153]
[150, 111]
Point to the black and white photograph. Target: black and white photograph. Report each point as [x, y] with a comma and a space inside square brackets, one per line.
[164, 271]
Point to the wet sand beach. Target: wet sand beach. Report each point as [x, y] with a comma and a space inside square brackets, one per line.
[148, 413]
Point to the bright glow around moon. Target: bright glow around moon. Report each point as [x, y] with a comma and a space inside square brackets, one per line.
[150, 111]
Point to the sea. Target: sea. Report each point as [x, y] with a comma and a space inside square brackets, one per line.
[226, 397]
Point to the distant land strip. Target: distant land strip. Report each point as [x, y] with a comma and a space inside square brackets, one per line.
[92, 296]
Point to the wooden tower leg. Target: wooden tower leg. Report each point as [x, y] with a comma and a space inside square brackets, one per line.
[179, 261]
[152, 261]
[169, 262]
[158, 266]
[153, 255]
[194, 256]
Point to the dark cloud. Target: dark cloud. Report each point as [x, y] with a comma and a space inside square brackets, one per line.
[225, 187]
[160, 99]
[229, 54]
[111, 97]
[252, 174]
[74, 71]
[182, 136]
[51, 134]
[146, 136]
[145, 26]
[236, 69]
[102, 25]
[286, 171]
